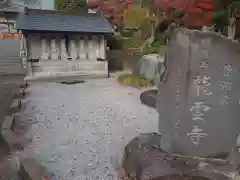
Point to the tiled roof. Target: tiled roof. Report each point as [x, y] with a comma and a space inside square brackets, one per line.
[58, 21]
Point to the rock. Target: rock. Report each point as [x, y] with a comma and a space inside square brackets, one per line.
[149, 97]
[145, 160]
[139, 153]
[151, 67]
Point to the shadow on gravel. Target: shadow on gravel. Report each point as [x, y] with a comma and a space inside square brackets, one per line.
[178, 177]
[149, 98]
[72, 82]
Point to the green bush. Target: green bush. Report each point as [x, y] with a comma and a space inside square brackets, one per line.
[178, 13]
[159, 40]
[131, 42]
[128, 33]
[220, 19]
[152, 50]
[135, 81]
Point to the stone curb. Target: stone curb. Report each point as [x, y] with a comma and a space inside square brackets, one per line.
[24, 85]
[20, 93]
[7, 123]
[31, 169]
[15, 106]
[13, 140]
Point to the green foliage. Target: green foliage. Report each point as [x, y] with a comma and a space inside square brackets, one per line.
[71, 5]
[221, 19]
[131, 42]
[158, 46]
[135, 81]
[178, 13]
[128, 33]
[159, 40]
[161, 50]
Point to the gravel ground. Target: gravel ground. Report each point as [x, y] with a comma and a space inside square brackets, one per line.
[80, 130]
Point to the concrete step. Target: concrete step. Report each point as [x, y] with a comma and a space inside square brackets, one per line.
[11, 71]
[10, 62]
[3, 59]
[9, 67]
[14, 65]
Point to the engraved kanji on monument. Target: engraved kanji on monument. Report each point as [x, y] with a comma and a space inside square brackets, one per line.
[199, 101]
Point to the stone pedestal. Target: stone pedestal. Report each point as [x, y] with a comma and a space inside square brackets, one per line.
[44, 49]
[73, 49]
[54, 50]
[91, 50]
[82, 52]
[102, 48]
[63, 49]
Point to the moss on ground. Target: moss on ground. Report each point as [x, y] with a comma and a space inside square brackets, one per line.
[135, 81]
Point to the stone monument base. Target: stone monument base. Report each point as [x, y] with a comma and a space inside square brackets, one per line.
[144, 160]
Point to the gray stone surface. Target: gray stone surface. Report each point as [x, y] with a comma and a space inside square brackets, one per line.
[82, 129]
[145, 160]
[198, 102]
[151, 67]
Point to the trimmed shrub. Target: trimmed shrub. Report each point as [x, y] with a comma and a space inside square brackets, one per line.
[135, 81]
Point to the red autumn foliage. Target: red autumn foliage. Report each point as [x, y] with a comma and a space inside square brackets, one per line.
[112, 9]
[198, 12]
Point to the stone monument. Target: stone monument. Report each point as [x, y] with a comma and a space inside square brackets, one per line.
[199, 101]
[198, 105]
